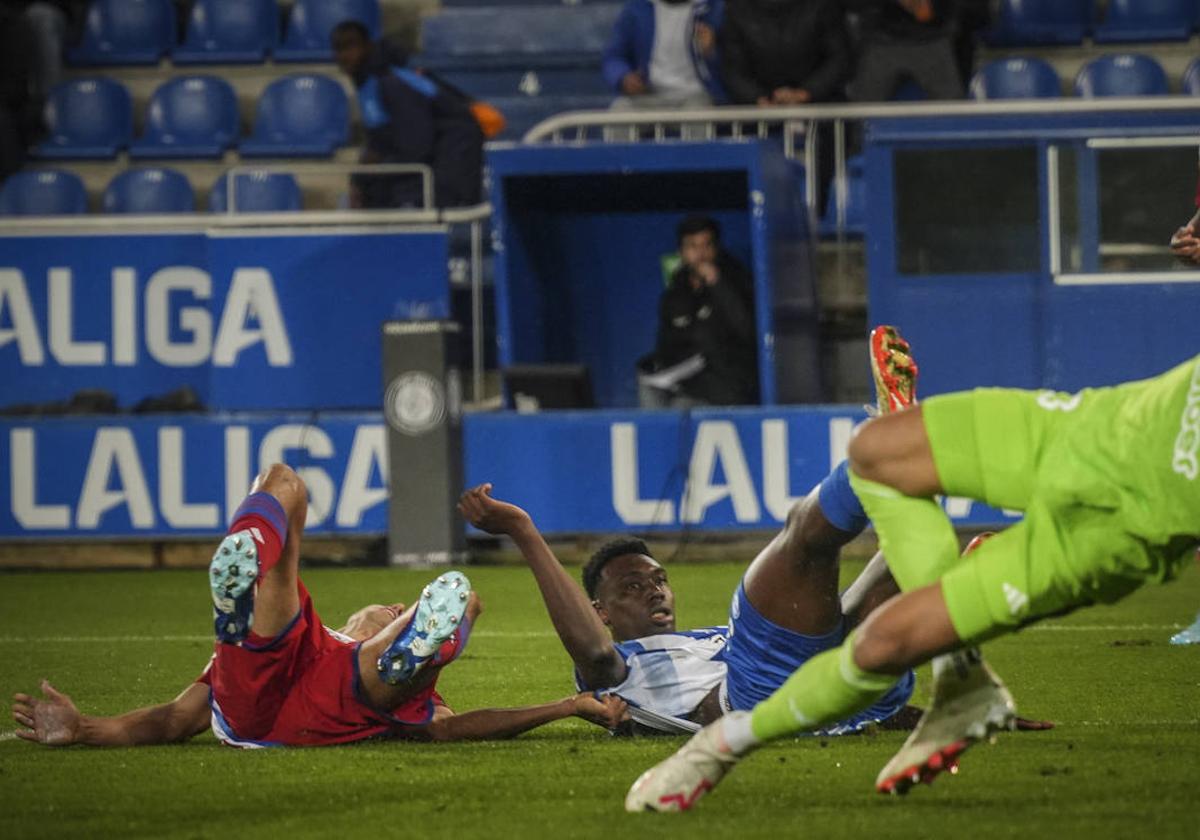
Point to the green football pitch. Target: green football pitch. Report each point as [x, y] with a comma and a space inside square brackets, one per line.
[1123, 761]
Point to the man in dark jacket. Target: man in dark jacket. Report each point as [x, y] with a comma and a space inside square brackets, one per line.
[784, 52]
[408, 118]
[705, 352]
[910, 39]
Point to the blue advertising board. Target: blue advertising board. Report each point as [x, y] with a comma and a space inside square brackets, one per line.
[250, 319]
[575, 472]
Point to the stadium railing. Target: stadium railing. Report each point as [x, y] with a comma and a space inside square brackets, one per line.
[796, 127]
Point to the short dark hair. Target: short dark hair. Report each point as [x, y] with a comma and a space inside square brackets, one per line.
[351, 27]
[609, 551]
[696, 223]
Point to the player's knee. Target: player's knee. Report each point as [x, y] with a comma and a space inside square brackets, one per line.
[282, 482]
[810, 534]
[868, 451]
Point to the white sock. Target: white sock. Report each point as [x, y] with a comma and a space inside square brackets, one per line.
[735, 729]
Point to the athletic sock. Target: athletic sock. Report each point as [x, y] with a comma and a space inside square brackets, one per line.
[915, 535]
[827, 688]
[837, 501]
[738, 733]
[263, 516]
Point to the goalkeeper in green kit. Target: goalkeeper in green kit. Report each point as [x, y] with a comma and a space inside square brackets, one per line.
[1109, 480]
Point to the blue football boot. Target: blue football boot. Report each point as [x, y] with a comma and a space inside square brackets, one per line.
[439, 614]
[1188, 635]
[233, 577]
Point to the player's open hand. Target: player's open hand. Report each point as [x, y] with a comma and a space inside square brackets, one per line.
[53, 721]
[606, 710]
[491, 515]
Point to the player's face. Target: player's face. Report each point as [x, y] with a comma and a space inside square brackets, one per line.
[634, 598]
[698, 248]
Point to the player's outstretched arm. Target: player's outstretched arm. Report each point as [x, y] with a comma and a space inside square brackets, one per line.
[575, 620]
[482, 724]
[54, 720]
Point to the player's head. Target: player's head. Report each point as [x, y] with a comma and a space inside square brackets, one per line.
[351, 42]
[629, 590]
[698, 238]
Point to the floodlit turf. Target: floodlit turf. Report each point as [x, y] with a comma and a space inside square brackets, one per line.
[1123, 762]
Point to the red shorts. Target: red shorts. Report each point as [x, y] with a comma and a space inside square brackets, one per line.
[302, 689]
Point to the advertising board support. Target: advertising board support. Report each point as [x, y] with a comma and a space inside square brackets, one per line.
[423, 408]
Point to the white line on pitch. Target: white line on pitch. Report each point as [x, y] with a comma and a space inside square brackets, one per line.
[8, 736]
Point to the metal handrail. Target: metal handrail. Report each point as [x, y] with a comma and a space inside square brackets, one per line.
[552, 127]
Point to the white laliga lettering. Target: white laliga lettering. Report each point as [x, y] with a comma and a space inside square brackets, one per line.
[717, 440]
[63, 345]
[124, 317]
[776, 475]
[369, 450]
[194, 321]
[252, 295]
[313, 440]
[14, 297]
[237, 469]
[632, 509]
[23, 485]
[172, 477]
[114, 454]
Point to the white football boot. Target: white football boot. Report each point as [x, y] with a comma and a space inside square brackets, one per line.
[678, 783]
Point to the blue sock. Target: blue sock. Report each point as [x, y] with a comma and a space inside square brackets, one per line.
[839, 503]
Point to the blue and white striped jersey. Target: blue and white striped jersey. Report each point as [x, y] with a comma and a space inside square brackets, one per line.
[669, 674]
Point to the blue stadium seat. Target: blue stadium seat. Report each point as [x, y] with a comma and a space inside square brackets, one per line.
[87, 118]
[229, 32]
[537, 36]
[312, 22]
[1023, 22]
[189, 117]
[1191, 78]
[126, 32]
[256, 192]
[1015, 78]
[302, 115]
[1127, 74]
[1146, 20]
[44, 192]
[145, 191]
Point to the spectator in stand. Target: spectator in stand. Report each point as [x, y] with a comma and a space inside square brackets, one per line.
[705, 351]
[784, 52]
[1185, 245]
[910, 39]
[408, 118]
[663, 54]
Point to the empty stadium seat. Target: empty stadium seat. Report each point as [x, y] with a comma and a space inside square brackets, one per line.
[1191, 78]
[229, 31]
[149, 191]
[538, 36]
[1015, 78]
[256, 192]
[302, 115]
[1021, 22]
[1128, 74]
[87, 118]
[44, 192]
[126, 32]
[189, 117]
[312, 22]
[1146, 20]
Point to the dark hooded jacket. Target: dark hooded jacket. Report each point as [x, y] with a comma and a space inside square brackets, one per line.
[768, 44]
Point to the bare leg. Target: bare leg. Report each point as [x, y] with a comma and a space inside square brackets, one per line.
[906, 632]
[894, 450]
[278, 599]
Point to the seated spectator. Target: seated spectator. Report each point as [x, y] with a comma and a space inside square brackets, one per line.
[784, 52]
[408, 118]
[663, 54]
[705, 350]
[911, 39]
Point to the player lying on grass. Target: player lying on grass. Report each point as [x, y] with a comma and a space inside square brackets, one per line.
[1109, 479]
[278, 676]
[621, 633]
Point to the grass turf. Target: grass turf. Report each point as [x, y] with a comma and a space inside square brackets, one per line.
[1123, 761]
